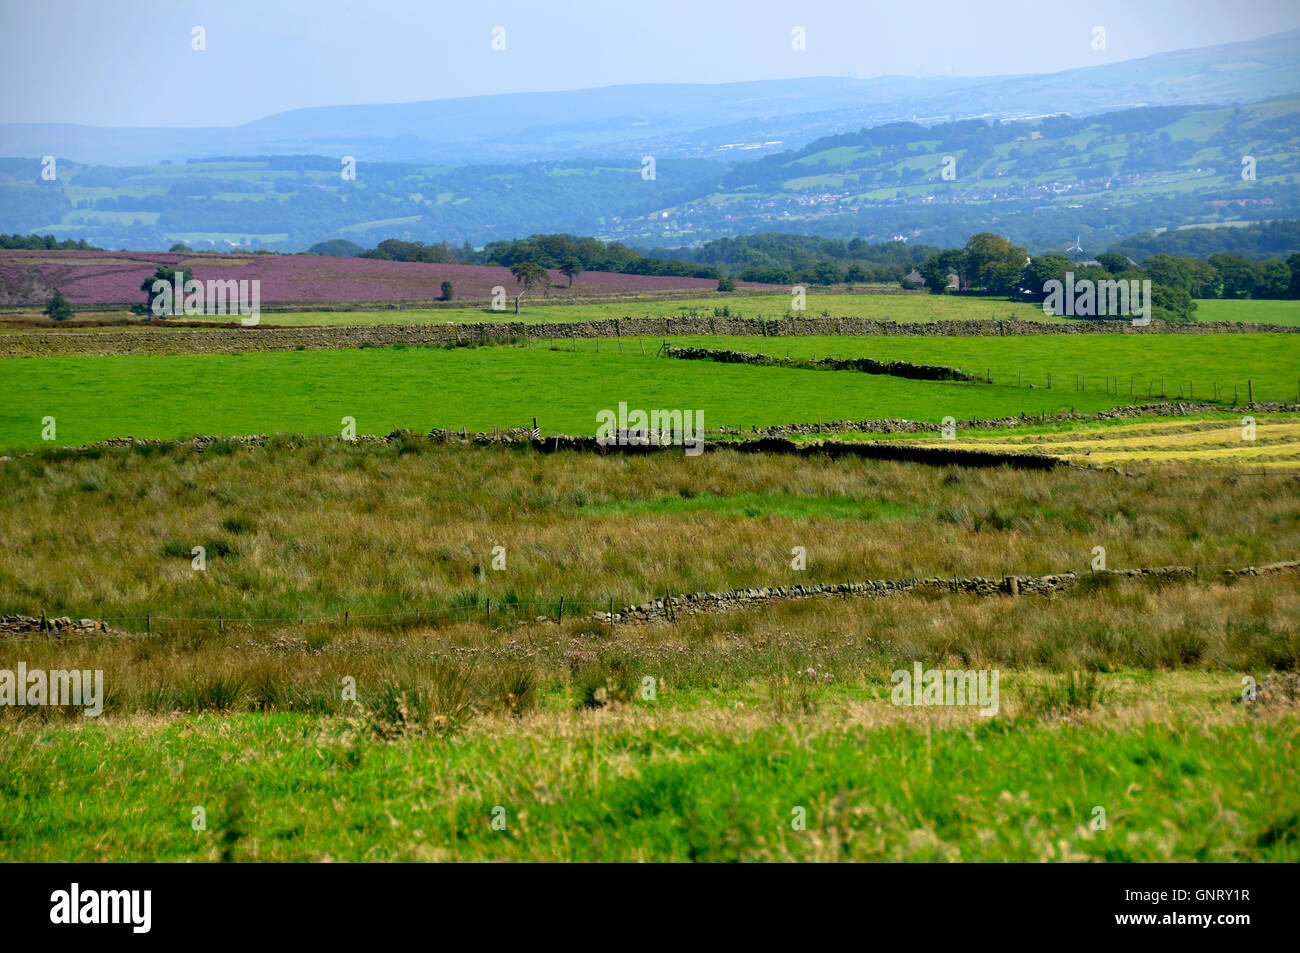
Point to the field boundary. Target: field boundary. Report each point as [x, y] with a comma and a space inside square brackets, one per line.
[667, 608]
[865, 365]
[556, 441]
[160, 339]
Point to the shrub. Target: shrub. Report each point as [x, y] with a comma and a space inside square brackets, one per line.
[58, 309]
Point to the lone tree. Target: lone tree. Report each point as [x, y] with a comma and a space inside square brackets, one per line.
[529, 273]
[172, 276]
[446, 291]
[57, 308]
[571, 267]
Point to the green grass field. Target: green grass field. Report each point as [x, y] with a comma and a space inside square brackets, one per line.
[95, 398]
[648, 786]
[1286, 313]
[1193, 362]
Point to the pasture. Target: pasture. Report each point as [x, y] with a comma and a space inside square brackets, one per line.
[565, 386]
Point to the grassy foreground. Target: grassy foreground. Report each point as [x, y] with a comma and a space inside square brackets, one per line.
[720, 786]
[1124, 698]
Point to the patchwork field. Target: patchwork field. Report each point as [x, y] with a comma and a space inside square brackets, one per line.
[1272, 443]
[400, 650]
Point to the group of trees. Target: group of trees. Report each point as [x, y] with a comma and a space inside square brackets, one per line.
[1227, 275]
[991, 264]
[571, 255]
[44, 243]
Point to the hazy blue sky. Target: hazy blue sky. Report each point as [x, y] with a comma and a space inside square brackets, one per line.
[130, 62]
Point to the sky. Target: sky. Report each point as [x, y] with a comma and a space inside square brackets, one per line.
[133, 62]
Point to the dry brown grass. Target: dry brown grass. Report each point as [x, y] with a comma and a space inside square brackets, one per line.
[777, 660]
[312, 528]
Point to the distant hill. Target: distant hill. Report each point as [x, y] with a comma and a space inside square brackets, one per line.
[683, 120]
[1100, 178]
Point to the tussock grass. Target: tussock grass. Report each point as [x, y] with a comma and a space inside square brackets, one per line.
[402, 536]
[782, 657]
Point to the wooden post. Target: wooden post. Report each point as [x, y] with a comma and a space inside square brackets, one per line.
[346, 616]
[1250, 392]
[489, 612]
[148, 621]
[560, 618]
[611, 616]
[643, 347]
[1049, 381]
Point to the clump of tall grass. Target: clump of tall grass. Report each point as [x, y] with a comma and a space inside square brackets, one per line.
[440, 700]
[790, 694]
[603, 681]
[1075, 691]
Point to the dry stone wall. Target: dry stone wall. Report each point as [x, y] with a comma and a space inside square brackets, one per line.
[669, 607]
[920, 372]
[53, 626]
[155, 339]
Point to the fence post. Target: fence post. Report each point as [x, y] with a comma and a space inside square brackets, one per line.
[148, 622]
[611, 616]
[1250, 392]
[560, 618]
